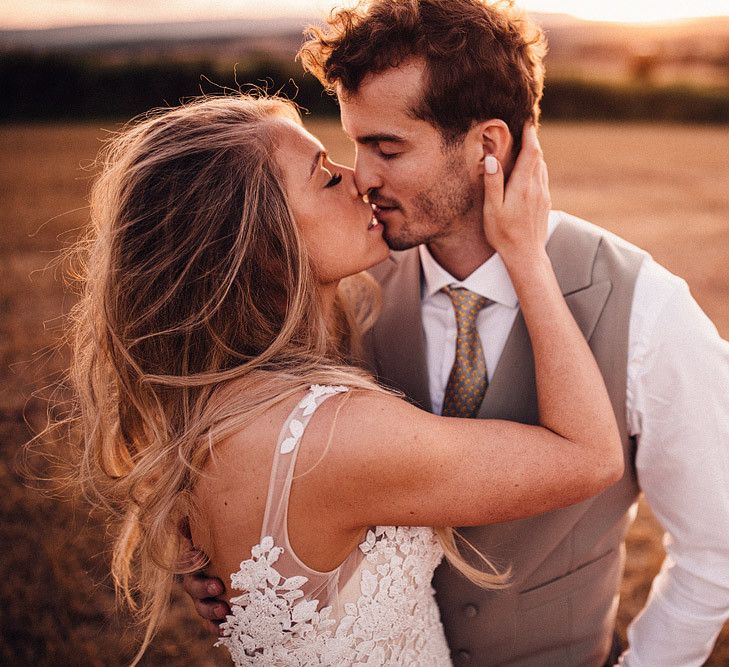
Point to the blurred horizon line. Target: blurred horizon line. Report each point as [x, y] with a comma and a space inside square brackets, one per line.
[302, 18]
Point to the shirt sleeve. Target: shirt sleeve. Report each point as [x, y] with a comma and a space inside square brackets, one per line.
[678, 410]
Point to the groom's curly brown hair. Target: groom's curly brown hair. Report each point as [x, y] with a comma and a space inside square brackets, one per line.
[484, 59]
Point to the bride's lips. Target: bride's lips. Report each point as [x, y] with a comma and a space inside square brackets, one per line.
[381, 212]
[374, 225]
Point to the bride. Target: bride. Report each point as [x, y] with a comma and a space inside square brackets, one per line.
[222, 307]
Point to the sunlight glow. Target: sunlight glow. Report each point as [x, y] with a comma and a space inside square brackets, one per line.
[630, 11]
[18, 14]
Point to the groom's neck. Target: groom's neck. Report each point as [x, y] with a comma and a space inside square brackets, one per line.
[462, 253]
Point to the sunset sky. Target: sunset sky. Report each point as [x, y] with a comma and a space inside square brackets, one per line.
[52, 13]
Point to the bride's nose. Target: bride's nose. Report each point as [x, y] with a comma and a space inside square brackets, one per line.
[351, 184]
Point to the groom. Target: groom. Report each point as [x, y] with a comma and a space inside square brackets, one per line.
[413, 78]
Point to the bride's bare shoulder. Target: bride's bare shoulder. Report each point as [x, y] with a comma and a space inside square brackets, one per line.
[248, 449]
[239, 466]
[369, 412]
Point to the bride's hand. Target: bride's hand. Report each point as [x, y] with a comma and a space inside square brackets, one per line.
[515, 221]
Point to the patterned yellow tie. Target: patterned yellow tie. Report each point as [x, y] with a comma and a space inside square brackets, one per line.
[468, 379]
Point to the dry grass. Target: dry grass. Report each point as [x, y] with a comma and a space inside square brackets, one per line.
[664, 188]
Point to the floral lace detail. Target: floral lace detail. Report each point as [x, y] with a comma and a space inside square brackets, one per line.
[309, 404]
[394, 621]
[267, 623]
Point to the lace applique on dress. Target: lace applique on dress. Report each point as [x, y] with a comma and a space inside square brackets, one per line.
[308, 405]
[382, 613]
[270, 623]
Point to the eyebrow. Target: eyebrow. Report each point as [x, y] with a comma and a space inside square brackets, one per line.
[315, 162]
[369, 139]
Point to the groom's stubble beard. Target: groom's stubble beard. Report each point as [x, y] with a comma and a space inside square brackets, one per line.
[448, 202]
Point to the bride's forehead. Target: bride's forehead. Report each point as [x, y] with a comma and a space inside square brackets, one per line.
[294, 139]
[296, 152]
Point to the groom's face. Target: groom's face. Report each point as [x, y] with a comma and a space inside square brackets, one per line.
[421, 189]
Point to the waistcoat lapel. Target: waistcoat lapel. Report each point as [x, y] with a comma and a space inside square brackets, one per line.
[396, 343]
[511, 393]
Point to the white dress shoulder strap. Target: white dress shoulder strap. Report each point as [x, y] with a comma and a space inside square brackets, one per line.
[284, 459]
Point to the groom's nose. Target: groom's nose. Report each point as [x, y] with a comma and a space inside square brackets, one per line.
[366, 174]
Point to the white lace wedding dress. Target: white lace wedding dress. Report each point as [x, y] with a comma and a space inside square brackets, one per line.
[376, 608]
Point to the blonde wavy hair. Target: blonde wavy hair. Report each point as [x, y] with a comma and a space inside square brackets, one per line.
[198, 311]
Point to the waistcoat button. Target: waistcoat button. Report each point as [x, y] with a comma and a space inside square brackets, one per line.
[464, 655]
[470, 610]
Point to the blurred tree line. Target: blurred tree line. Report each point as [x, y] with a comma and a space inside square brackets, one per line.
[68, 86]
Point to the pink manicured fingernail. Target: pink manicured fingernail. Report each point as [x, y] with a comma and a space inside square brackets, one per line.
[213, 588]
[491, 164]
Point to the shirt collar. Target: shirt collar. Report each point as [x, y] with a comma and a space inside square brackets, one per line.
[490, 280]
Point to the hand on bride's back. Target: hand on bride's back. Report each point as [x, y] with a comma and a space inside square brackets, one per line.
[202, 589]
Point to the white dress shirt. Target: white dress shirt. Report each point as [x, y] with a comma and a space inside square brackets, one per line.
[677, 407]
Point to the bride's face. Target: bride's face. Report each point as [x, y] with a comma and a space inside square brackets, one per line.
[337, 225]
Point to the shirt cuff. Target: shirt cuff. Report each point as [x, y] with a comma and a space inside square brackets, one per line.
[677, 626]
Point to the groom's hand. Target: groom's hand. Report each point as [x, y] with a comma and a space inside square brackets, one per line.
[203, 590]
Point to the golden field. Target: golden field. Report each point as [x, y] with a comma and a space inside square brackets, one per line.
[664, 188]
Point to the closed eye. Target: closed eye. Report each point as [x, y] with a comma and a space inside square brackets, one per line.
[336, 179]
[387, 154]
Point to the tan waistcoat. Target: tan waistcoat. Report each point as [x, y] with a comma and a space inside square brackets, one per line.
[567, 564]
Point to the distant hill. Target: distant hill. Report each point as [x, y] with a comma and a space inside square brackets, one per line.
[692, 53]
[561, 28]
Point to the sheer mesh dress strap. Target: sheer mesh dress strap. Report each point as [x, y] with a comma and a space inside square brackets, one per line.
[284, 458]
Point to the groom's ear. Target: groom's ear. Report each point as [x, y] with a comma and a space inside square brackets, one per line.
[496, 139]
